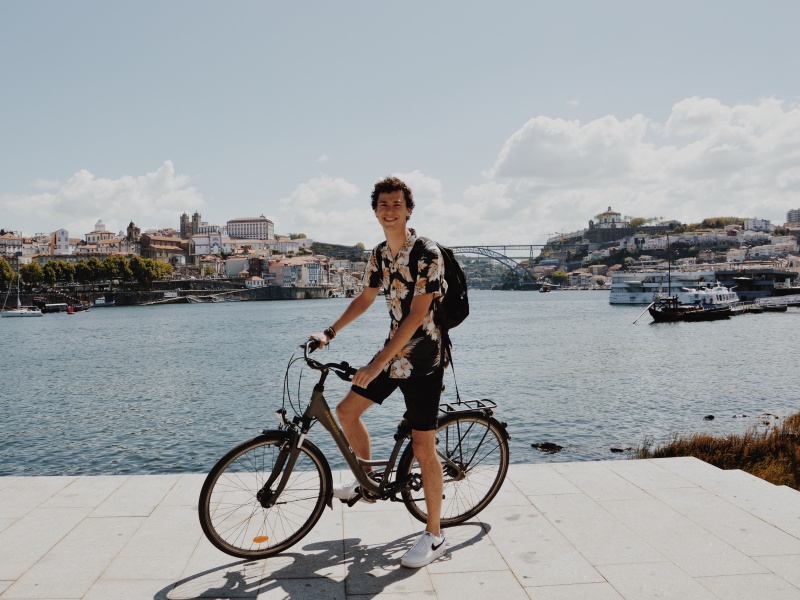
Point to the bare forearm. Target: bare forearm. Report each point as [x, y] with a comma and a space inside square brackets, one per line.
[404, 333]
[355, 309]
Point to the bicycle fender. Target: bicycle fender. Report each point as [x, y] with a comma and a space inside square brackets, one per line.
[482, 414]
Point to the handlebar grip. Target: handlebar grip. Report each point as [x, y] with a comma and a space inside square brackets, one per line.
[312, 345]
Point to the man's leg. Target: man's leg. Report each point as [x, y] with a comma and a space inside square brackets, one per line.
[424, 443]
[349, 412]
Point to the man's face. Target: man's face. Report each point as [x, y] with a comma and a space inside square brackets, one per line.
[391, 210]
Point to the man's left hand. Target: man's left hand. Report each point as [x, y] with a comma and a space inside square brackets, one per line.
[366, 374]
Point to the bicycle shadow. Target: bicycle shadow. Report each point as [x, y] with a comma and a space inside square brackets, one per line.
[331, 570]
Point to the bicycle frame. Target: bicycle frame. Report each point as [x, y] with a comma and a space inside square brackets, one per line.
[319, 410]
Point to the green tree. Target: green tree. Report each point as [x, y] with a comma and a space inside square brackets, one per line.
[209, 271]
[721, 222]
[637, 222]
[7, 274]
[559, 277]
[298, 236]
[31, 273]
[95, 268]
[50, 272]
[117, 267]
[146, 270]
[83, 273]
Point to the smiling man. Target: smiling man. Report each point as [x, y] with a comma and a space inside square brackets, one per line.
[410, 271]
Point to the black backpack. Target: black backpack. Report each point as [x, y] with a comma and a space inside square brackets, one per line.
[455, 303]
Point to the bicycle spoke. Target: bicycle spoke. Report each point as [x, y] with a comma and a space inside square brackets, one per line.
[232, 514]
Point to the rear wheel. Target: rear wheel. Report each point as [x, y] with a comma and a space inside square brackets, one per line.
[473, 450]
[232, 511]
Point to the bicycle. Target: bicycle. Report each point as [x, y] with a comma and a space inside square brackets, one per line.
[267, 493]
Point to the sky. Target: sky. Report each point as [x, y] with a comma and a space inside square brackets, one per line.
[510, 120]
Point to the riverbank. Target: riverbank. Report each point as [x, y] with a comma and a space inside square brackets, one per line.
[178, 293]
[773, 454]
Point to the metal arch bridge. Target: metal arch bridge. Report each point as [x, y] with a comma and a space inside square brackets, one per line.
[508, 255]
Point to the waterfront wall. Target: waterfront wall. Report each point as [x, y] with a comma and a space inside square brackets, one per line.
[145, 297]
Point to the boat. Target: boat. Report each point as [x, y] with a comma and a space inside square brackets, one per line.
[644, 287]
[708, 296]
[102, 302]
[21, 311]
[669, 310]
[545, 288]
[55, 307]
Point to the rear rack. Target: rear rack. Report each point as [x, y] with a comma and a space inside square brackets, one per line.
[465, 405]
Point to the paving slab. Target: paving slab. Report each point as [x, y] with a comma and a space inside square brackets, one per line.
[612, 530]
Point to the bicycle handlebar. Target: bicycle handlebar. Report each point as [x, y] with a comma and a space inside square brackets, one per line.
[342, 369]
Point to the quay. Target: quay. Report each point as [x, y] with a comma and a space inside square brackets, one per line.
[673, 528]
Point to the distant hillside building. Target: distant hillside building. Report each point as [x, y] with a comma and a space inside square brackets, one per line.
[757, 225]
[61, 244]
[609, 227]
[172, 250]
[196, 226]
[255, 228]
[99, 233]
[10, 244]
[793, 216]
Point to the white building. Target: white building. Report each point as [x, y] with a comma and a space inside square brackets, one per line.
[757, 225]
[284, 245]
[793, 216]
[258, 228]
[61, 243]
[254, 282]
[208, 243]
[99, 233]
[10, 244]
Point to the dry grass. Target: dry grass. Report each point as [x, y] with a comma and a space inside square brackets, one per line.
[772, 454]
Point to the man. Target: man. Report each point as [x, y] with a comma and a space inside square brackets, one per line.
[410, 271]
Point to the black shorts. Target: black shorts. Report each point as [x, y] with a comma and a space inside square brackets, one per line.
[421, 394]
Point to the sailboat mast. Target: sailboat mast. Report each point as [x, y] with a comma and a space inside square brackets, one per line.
[669, 268]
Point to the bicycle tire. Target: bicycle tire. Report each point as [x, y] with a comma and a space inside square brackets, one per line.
[479, 446]
[232, 516]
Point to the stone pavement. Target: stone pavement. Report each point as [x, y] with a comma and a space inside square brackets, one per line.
[639, 529]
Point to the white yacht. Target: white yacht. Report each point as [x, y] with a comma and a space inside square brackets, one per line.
[708, 296]
[644, 287]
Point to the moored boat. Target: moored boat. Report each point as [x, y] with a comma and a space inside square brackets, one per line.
[22, 311]
[669, 310]
[709, 296]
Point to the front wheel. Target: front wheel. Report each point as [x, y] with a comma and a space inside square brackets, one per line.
[232, 509]
[473, 450]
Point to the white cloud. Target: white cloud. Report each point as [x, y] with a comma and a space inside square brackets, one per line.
[323, 159]
[329, 210]
[46, 184]
[153, 199]
[706, 160]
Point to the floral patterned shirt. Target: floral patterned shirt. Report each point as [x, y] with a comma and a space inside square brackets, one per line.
[422, 355]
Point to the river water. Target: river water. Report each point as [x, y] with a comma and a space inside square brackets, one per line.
[167, 389]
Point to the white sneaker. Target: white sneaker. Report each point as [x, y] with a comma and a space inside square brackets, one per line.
[347, 490]
[427, 549]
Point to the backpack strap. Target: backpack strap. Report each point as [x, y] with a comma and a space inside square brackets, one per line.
[447, 344]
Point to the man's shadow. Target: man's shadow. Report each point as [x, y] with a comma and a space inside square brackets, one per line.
[368, 570]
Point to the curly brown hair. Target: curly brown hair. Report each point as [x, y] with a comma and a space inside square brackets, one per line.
[392, 184]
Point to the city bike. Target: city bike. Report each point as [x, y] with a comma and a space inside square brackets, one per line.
[267, 493]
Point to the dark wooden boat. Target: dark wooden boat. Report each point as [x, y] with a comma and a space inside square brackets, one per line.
[668, 310]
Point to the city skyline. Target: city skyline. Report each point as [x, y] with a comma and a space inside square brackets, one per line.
[510, 122]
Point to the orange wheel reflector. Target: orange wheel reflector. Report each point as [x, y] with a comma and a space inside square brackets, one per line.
[260, 539]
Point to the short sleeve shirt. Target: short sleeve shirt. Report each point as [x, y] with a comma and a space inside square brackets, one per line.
[400, 282]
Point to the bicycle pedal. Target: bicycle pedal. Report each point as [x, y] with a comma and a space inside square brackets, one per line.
[352, 502]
